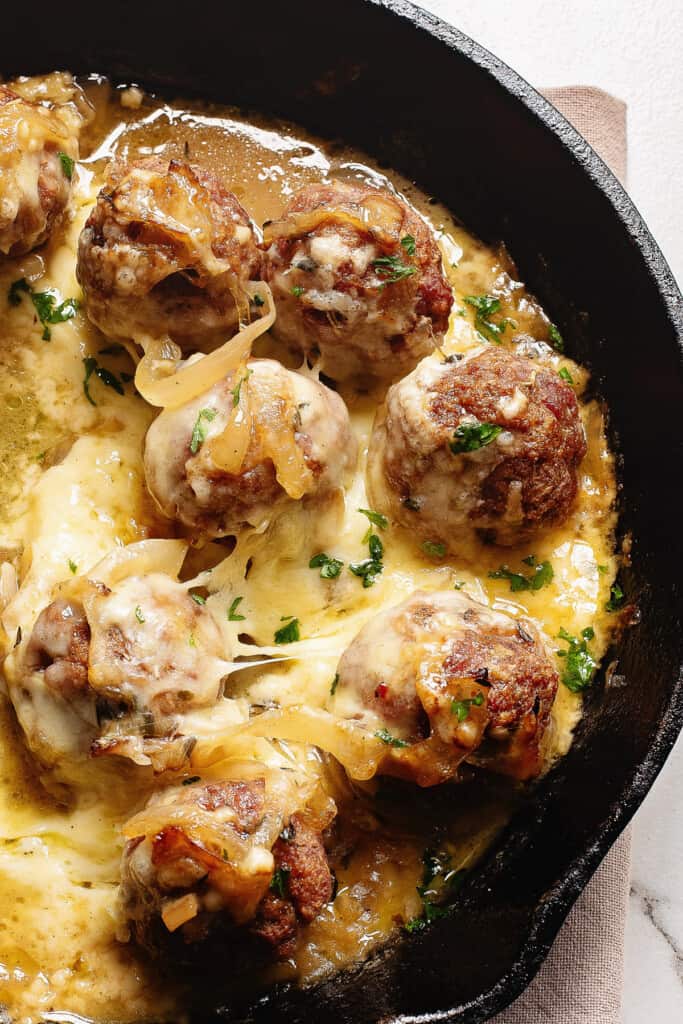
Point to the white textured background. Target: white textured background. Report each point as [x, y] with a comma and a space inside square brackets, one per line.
[633, 49]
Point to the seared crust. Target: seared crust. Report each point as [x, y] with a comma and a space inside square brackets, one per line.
[59, 645]
[334, 294]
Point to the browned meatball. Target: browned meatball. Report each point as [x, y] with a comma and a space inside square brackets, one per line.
[490, 444]
[113, 671]
[37, 152]
[228, 854]
[297, 443]
[167, 250]
[356, 275]
[441, 679]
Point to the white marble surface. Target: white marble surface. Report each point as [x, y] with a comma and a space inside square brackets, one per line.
[632, 49]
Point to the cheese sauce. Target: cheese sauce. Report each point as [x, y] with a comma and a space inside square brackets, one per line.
[72, 489]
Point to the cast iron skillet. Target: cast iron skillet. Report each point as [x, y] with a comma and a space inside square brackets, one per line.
[428, 101]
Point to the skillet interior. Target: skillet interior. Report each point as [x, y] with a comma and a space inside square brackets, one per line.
[432, 104]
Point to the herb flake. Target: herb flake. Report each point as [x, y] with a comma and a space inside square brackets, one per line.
[542, 575]
[487, 329]
[233, 614]
[68, 164]
[391, 741]
[201, 428]
[376, 518]
[289, 633]
[329, 567]
[579, 664]
[392, 268]
[469, 437]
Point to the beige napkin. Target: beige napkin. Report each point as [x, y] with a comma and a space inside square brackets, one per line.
[581, 980]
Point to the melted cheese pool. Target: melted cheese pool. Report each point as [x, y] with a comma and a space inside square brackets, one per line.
[72, 489]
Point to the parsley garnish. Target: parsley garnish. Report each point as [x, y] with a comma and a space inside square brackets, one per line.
[335, 684]
[68, 164]
[198, 599]
[237, 390]
[461, 708]
[616, 600]
[370, 568]
[278, 882]
[289, 633]
[579, 666]
[190, 779]
[566, 375]
[376, 518]
[45, 304]
[556, 339]
[329, 567]
[297, 291]
[233, 615]
[435, 549]
[542, 575]
[469, 437]
[440, 882]
[408, 244]
[138, 614]
[486, 306]
[391, 741]
[73, 567]
[106, 376]
[201, 428]
[392, 268]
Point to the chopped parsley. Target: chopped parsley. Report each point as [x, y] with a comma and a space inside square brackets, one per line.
[233, 614]
[335, 684]
[297, 291]
[602, 569]
[408, 244]
[68, 164]
[566, 375]
[138, 614]
[370, 568]
[433, 548]
[440, 883]
[329, 567]
[579, 665]
[201, 428]
[392, 268]
[486, 328]
[289, 633]
[376, 518]
[541, 576]
[46, 304]
[391, 741]
[461, 708]
[278, 882]
[190, 779]
[469, 437]
[198, 599]
[237, 390]
[73, 567]
[556, 339]
[106, 376]
[616, 599]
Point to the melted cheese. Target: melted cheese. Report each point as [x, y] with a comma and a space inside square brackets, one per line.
[73, 489]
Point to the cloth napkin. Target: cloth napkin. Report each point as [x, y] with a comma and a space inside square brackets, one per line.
[581, 980]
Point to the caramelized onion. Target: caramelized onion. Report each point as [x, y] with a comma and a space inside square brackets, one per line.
[379, 216]
[275, 432]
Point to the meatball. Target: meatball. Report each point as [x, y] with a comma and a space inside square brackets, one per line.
[167, 250]
[237, 858]
[489, 445]
[287, 437]
[112, 671]
[357, 278]
[38, 147]
[442, 679]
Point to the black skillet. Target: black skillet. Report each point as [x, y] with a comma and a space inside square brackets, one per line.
[424, 99]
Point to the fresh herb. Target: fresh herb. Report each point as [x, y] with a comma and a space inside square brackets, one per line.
[459, 585]
[191, 779]
[73, 567]
[370, 568]
[15, 290]
[541, 576]
[237, 390]
[198, 599]
[488, 329]
[335, 684]
[461, 708]
[566, 375]
[329, 567]
[391, 741]
[68, 164]
[602, 569]
[376, 518]
[289, 633]
[111, 380]
[408, 244]
[257, 300]
[233, 615]
[297, 291]
[616, 600]
[556, 339]
[278, 882]
[392, 268]
[469, 437]
[435, 549]
[440, 883]
[579, 665]
[201, 429]
[138, 614]
[49, 312]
